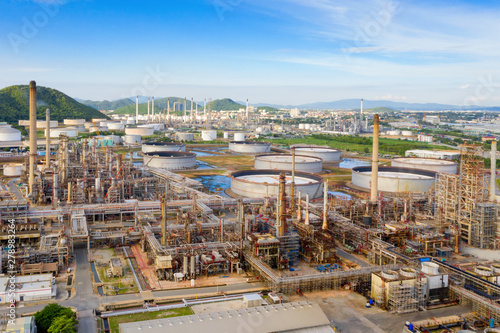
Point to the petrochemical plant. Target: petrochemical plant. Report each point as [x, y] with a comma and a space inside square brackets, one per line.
[394, 234]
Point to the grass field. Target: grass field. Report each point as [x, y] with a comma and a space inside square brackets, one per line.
[232, 161]
[115, 321]
[357, 144]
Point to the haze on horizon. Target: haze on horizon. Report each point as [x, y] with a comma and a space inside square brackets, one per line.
[281, 51]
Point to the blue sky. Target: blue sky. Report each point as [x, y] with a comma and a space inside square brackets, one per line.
[275, 51]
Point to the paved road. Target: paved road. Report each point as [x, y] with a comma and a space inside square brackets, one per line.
[345, 255]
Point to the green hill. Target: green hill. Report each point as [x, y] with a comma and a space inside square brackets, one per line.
[108, 105]
[225, 104]
[160, 104]
[14, 105]
[381, 110]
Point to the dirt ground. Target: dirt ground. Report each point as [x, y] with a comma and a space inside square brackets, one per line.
[218, 306]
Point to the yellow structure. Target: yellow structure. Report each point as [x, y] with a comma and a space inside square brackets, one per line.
[116, 267]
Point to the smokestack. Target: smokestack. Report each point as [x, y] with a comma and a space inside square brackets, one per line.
[32, 156]
[136, 108]
[361, 115]
[185, 109]
[191, 109]
[247, 110]
[47, 139]
[493, 170]
[148, 107]
[374, 183]
[325, 206]
[205, 108]
[168, 108]
[153, 108]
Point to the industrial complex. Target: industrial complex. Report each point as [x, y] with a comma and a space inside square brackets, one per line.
[179, 212]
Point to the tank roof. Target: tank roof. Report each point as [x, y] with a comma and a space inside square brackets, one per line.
[272, 177]
[250, 142]
[317, 149]
[288, 158]
[170, 154]
[421, 161]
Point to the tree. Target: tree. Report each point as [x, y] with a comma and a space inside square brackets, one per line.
[48, 314]
[63, 324]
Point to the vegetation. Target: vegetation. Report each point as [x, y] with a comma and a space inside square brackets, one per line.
[14, 105]
[160, 105]
[225, 104]
[53, 318]
[228, 161]
[115, 321]
[108, 105]
[357, 143]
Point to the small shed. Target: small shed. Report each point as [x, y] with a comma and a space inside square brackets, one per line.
[252, 300]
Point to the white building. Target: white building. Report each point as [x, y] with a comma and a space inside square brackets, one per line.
[439, 154]
[27, 288]
[425, 138]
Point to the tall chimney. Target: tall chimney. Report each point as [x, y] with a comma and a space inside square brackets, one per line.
[191, 109]
[361, 115]
[153, 108]
[374, 183]
[493, 170]
[47, 139]
[32, 156]
[325, 206]
[136, 108]
[247, 111]
[185, 109]
[148, 107]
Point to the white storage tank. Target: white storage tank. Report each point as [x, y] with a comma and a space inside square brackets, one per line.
[70, 132]
[142, 131]
[226, 135]
[328, 155]
[430, 268]
[12, 170]
[265, 183]
[182, 136]
[431, 164]
[130, 121]
[170, 160]
[393, 179]
[250, 147]
[407, 133]
[152, 147]
[209, 135]
[238, 136]
[133, 139]
[73, 122]
[284, 162]
[8, 133]
[394, 132]
[116, 126]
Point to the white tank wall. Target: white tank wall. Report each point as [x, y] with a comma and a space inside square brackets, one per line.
[250, 148]
[327, 155]
[116, 126]
[151, 148]
[209, 135]
[226, 135]
[429, 164]
[9, 134]
[259, 190]
[142, 131]
[132, 139]
[392, 184]
[170, 163]
[180, 136]
[68, 131]
[239, 136]
[284, 162]
[12, 170]
[74, 122]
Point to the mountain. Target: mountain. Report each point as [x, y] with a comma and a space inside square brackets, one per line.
[225, 104]
[160, 105]
[14, 105]
[107, 105]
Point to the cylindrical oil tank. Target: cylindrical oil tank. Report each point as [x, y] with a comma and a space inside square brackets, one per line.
[483, 270]
[133, 139]
[265, 183]
[130, 121]
[116, 126]
[239, 136]
[430, 164]
[183, 136]
[250, 147]
[209, 135]
[407, 272]
[193, 270]
[226, 135]
[389, 274]
[142, 131]
[495, 268]
[394, 132]
[328, 155]
[151, 147]
[284, 162]
[170, 160]
[392, 179]
[8, 133]
[12, 170]
[430, 268]
[70, 132]
[407, 133]
[73, 122]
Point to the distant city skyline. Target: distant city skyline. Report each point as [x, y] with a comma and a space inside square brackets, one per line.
[278, 52]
